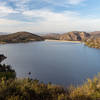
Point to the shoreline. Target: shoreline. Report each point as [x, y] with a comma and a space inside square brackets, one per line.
[63, 41]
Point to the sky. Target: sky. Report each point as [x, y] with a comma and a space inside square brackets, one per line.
[49, 16]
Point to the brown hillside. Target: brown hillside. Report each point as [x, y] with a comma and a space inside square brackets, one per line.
[19, 37]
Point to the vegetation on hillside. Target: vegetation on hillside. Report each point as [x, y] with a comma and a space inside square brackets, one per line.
[28, 89]
[5, 70]
[93, 41]
[93, 44]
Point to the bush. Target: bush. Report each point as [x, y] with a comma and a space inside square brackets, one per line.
[28, 89]
[7, 72]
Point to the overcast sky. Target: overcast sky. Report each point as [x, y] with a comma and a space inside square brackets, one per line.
[44, 16]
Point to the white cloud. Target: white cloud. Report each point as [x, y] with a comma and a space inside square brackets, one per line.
[64, 3]
[7, 25]
[49, 15]
[53, 22]
[45, 20]
[5, 10]
[21, 4]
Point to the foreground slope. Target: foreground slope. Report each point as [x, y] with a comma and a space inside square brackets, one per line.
[19, 37]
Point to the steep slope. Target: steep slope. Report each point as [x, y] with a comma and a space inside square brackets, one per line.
[19, 37]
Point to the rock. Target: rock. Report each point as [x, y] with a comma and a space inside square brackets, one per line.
[2, 57]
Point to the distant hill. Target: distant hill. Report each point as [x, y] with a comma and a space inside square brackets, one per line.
[19, 37]
[3, 33]
[75, 36]
[95, 32]
[70, 36]
[52, 36]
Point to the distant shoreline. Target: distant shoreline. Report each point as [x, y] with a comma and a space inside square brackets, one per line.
[64, 41]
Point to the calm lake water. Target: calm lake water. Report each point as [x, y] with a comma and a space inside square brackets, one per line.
[57, 62]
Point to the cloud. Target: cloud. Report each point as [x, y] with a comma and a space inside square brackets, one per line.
[64, 3]
[44, 19]
[5, 10]
[49, 15]
[21, 4]
[7, 25]
[49, 21]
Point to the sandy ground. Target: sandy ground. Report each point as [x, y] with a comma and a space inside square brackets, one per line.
[64, 41]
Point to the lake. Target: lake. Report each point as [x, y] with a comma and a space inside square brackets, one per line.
[61, 63]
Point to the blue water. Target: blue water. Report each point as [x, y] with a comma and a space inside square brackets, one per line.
[57, 62]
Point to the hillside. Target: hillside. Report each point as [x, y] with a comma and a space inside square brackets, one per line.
[93, 41]
[19, 37]
[3, 33]
[75, 36]
[70, 36]
[95, 32]
[52, 36]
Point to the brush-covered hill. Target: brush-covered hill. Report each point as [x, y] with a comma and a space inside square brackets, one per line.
[20, 37]
[94, 40]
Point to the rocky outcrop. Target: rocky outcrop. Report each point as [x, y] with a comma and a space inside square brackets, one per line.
[2, 57]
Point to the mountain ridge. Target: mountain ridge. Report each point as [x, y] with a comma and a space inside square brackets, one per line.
[70, 36]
